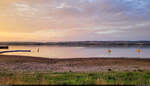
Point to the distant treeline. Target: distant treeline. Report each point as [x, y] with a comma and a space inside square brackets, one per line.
[83, 43]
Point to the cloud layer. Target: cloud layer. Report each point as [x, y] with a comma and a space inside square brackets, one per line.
[73, 20]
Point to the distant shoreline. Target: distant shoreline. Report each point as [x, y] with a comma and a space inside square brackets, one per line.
[84, 43]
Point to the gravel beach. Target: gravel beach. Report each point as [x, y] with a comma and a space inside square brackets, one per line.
[13, 63]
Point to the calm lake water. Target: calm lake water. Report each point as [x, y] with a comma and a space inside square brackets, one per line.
[80, 52]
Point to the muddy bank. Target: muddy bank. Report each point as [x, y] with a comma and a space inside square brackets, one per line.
[37, 64]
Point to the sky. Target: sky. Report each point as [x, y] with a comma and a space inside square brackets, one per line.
[74, 20]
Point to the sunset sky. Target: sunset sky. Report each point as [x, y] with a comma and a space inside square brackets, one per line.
[74, 20]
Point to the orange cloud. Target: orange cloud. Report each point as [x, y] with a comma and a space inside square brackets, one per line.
[6, 2]
[67, 20]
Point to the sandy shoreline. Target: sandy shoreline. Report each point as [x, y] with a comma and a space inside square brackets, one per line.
[37, 64]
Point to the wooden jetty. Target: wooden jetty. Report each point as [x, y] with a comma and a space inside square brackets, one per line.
[3, 47]
[10, 51]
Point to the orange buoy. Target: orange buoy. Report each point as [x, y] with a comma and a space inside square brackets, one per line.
[138, 50]
[109, 51]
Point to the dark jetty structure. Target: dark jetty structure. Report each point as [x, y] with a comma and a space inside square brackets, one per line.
[3, 47]
[10, 51]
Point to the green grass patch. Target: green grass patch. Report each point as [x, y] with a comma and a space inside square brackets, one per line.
[69, 78]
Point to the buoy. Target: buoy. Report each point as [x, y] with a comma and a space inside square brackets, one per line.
[138, 50]
[109, 51]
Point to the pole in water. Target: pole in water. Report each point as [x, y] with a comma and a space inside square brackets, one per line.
[38, 50]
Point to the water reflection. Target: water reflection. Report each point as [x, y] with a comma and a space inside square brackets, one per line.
[77, 52]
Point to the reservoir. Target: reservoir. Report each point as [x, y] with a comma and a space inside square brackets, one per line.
[81, 52]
